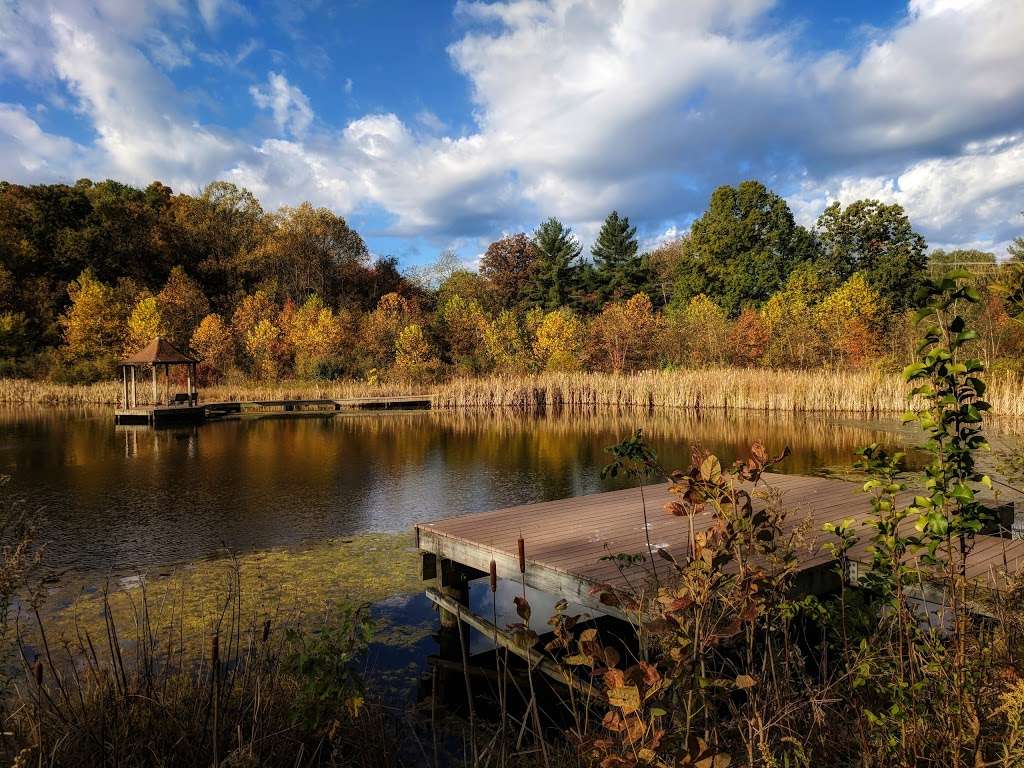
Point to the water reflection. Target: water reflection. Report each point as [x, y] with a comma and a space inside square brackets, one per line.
[124, 499]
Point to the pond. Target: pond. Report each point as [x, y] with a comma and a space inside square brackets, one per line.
[304, 500]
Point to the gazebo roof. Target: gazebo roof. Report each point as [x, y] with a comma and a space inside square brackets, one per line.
[159, 351]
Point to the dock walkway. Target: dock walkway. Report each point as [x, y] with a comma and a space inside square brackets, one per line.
[161, 415]
[565, 540]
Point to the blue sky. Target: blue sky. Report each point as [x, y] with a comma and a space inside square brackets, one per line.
[435, 124]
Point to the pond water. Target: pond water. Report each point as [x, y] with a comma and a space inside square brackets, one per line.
[115, 500]
[303, 501]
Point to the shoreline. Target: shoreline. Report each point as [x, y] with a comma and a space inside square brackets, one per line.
[728, 389]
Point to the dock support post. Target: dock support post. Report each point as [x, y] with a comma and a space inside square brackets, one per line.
[453, 583]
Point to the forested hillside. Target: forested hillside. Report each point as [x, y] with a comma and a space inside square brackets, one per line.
[91, 271]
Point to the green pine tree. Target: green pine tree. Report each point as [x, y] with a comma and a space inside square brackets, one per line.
[555, 281]
[617, 267]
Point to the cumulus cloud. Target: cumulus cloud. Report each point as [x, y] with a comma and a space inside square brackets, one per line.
[579, 107]
[289, 105]
[26, 149]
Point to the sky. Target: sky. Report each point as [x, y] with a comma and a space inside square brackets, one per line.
[432, 124]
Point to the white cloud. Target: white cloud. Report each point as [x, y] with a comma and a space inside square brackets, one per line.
[287, 102]
[580, 107]
[211, 11]
[27, 150]
[347, 85]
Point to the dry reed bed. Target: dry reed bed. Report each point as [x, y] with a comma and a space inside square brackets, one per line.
[756, 389]
[824, 391]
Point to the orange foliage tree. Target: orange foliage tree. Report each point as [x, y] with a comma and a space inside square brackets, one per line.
[624, 335]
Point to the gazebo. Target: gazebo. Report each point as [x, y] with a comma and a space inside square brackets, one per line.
[159, 352]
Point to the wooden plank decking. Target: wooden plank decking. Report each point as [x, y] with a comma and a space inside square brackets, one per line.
[566, 539]
[165, 414]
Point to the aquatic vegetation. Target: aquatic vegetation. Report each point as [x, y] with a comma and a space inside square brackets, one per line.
[283, 585]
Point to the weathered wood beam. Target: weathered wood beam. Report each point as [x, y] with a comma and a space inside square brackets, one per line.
[505, 639]
[540, 577]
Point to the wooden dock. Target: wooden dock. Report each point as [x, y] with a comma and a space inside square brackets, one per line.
[565, 540]
[162, 415]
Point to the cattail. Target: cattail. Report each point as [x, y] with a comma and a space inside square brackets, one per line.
[494, 577]
[266, 630]
[215, 649]
[522, 555]
[37, 672]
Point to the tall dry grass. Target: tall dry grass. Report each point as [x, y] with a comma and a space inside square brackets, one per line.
[757, 389]
[29, 391]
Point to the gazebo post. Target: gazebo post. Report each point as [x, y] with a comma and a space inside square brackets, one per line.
[135, 390]
[189, 384]
[156, 399]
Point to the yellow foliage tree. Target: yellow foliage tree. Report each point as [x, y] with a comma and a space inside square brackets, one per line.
[316, 335]
[380, 329]
[559, 342]
[262, 345]
[144, 324]
[697, 333]
[623, 337]
[250, 312]
[93, 325]
[214, 346]
[182, 305]
[415, 361]
[791, 323]
[465, 326]
[506, 344]
[849, 320]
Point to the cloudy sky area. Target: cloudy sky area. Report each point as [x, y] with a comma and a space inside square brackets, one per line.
[433, 124]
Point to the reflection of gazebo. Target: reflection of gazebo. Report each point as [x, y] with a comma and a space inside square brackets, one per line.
[159, 352]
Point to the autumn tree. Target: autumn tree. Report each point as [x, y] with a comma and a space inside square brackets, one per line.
[262, 344]
[310, 250]
[790, 319]
[748, 339]
[743, 248]
[144, 324]
[878, 240]
[623, 336]
[696, 333]
[214, 346]
[250, 312]
[509, 266]
[559, 343]
[415, 361]
[664, 265]
[93, 326]
[380, 329]
[182, 304]
[470, 286]
[463, 326]
[850, 320]
[507, 344]
[316, 336]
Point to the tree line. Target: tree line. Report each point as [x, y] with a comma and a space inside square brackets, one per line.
[91, 271]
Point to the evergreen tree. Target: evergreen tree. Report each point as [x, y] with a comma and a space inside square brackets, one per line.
[555, 279]
[618, 271]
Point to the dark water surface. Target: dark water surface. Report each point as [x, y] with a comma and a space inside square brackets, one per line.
[121, 499]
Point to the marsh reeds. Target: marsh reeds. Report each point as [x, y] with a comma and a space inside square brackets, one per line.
[151, 691]
[736, 389]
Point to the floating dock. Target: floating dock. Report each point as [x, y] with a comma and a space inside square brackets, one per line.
[163, 415]
[568, 542]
